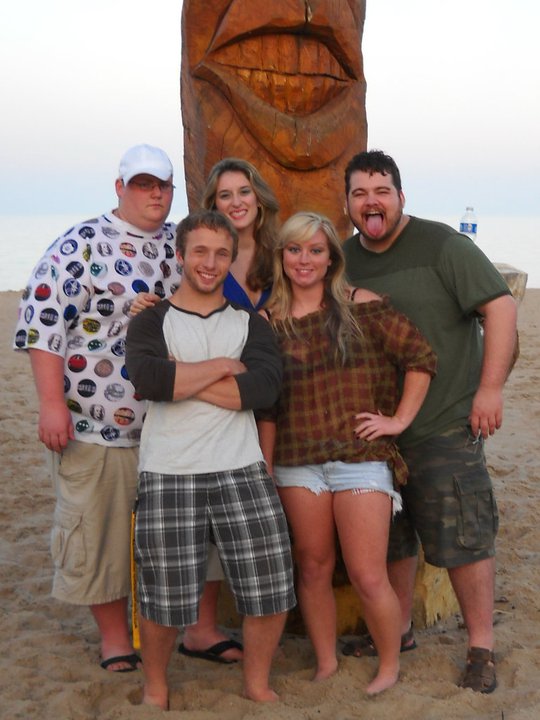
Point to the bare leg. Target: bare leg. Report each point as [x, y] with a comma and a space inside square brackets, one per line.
[362, 520]
[111, 619]
[205, 632]
[474, 585]
[261, 637]
[157, 645]
[402, 575]
[314, 553]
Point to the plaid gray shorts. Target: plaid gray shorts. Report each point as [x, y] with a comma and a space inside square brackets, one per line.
[448, 501]
[241, 510]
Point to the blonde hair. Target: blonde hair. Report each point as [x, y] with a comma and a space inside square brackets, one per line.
[340, 323]
[259, 276]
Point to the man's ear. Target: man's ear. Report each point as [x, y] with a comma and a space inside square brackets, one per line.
[119, 187]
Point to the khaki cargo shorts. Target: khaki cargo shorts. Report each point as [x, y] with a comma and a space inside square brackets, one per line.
[90, 539]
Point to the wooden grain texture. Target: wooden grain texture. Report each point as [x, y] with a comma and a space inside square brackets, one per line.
[279, 83]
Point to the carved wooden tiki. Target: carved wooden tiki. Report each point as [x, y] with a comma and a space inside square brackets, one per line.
[279, 83]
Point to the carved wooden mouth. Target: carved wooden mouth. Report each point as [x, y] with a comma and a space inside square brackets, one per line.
[291, 74]
[297, 117]
[294, 75]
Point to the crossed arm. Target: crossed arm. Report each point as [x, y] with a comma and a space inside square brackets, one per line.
[245, 383]
[209, 380]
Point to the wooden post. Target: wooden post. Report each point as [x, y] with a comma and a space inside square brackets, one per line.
[280, 84]
[434, 600]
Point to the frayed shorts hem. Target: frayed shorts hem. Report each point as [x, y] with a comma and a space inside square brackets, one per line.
[337, 476]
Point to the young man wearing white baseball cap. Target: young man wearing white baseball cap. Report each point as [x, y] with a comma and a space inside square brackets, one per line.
[73, 320]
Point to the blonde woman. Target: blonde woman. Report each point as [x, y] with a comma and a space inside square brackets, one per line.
[331, 438]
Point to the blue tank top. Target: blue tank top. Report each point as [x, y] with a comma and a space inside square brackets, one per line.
[234, 292]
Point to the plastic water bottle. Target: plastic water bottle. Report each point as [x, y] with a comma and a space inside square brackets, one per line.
[467, 226]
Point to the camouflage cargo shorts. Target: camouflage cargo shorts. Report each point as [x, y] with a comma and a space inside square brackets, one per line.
[448, 502]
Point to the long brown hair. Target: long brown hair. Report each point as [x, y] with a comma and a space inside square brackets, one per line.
[340, 322]
[259, 275]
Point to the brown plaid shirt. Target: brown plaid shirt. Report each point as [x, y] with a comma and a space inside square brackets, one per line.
[319, 398]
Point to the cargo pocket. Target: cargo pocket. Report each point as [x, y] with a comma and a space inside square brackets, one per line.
[68, 549]
[477, 517]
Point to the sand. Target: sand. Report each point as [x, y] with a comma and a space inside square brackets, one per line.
[49, 651]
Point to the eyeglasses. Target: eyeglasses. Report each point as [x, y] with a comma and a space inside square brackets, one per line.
[149, 185]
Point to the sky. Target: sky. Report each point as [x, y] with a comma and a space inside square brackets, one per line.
[453, 94]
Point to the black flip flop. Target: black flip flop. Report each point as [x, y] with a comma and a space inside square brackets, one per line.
[132, 660]
[213, 653]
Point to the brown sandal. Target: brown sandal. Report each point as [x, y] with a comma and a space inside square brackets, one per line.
[480, 671]
[365, 647]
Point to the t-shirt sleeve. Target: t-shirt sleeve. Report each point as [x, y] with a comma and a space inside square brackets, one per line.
[58, 290]
[469, 275]
[147, 359]
[260, 386]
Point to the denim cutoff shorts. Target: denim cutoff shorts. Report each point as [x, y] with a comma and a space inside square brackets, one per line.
[337, 476]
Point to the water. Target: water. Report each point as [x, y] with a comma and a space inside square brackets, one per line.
[508, 239]
[23, 239]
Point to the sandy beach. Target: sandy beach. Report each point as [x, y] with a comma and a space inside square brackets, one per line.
[49, 655]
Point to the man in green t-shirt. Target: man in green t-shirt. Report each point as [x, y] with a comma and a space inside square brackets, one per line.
[459, 301]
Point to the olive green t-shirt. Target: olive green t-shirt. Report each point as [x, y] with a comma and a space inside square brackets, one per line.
[437, 278]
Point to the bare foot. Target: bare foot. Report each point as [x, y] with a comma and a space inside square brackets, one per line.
[155, 700]
[131, 661]
[118, 646]
[325, 671]
[382, 682]
[267, 695]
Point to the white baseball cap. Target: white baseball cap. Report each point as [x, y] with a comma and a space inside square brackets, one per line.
[145, 159]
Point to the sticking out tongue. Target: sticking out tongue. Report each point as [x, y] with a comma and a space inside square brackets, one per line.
[374, 224]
